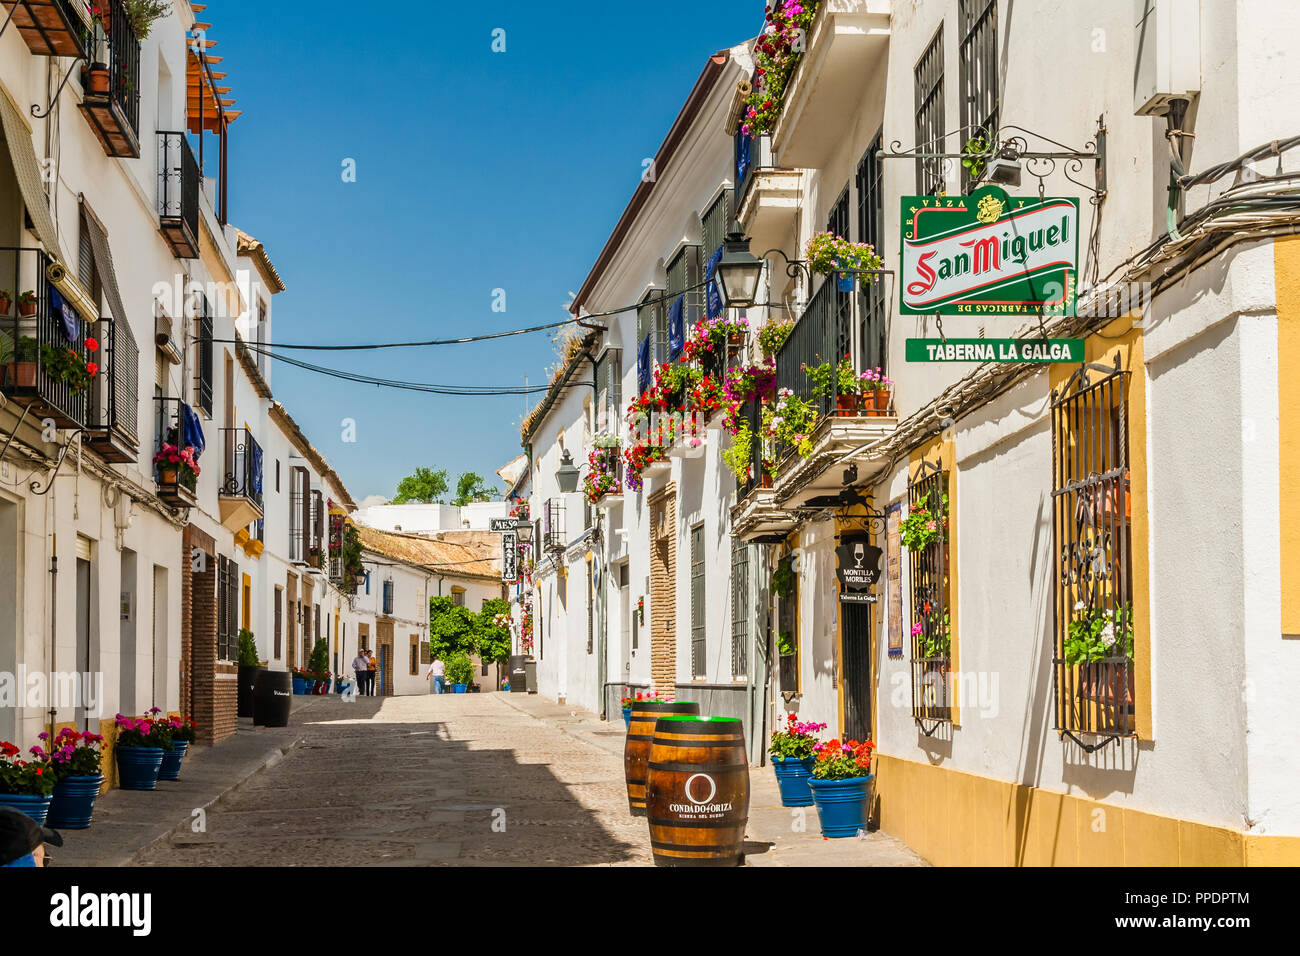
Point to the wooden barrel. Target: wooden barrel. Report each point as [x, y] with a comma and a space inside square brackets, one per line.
[697, 791]
[636, 750]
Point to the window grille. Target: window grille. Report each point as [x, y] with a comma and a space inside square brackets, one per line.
[1093, 616]
[739, 607]
[928, 78]
[206, 354]
[979, 72]
[714, 223]
[931, 619]
[686, 277]
[699, 662]
[227, 609]
[874, 304]
[837, 224]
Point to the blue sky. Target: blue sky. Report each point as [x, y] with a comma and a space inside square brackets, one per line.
[475, 171]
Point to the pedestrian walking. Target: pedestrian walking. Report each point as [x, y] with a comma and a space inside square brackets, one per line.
[360, 665]
[372, 667]
[437, 674]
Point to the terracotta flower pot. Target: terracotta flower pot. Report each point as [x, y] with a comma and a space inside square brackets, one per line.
[882, 398]
[6, 304]
[168, 476]
[98, 78]
[27, 309]
[22, 375]
[846, 406]
[765, 481]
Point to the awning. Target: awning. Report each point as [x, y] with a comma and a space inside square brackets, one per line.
[104, 262]
[18, 140]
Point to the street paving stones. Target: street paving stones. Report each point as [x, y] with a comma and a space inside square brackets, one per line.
[460, 780]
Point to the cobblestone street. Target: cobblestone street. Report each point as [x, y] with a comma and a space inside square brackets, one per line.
[489, 779]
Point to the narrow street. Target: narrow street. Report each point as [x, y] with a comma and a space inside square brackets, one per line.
[474, 779]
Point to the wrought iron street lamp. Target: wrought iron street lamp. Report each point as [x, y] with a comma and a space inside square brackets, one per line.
[738, 271]
[566, 476]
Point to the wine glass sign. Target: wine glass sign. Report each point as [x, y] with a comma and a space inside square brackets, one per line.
[858, 568]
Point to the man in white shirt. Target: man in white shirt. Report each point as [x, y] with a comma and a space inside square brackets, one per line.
[361, 664]
[437, 673]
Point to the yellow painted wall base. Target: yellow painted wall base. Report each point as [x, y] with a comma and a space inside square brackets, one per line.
[959, 819]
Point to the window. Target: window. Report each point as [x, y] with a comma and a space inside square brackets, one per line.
[246, 618]
[699, 662]
[299, 514]
[277, 476]
[930, 576]
[739, 607]
[837, 224]
[203, 390]
[227, 609]
[316, 612]
[651, 336]
[979, 71]
[279, 622]
[875, 307]
[457, 596]
[1093, 610]
[785, 586]
[415, 655]
[388, 597]
[609, 391]
[686, 298]
[929, 116]
[367, 582]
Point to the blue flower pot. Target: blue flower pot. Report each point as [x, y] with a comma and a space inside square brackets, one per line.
[171, 762]
[792, 776]
[299, 686]
[137, 767]
[845, 282]
[627, 718]
[36, 807]
[458, 688]
[841, 804]
[74, 802]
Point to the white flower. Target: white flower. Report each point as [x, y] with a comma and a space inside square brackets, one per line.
[1078, 605]
[1108, 635]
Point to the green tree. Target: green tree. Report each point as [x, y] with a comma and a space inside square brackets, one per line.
[470, 487]
[425, 487]
[492, 643]
[451, 628]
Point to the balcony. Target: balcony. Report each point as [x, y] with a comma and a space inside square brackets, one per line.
[757, 518]
[113, 425]
[42, 342]
[767, 202]
[553, 539]
[176, 485]
[52, 27]
[833, 325]
[845, 62]
[114, 114]
[241, 480]
[178, 195]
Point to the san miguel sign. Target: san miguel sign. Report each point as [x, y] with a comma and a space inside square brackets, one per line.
[988, 254]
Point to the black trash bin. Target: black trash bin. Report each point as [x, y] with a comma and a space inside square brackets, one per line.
[272, 695]
[518, 674]
[247, 679]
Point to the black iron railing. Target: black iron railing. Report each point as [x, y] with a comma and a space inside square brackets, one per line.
[753, 155]
[553, 526]
[169, 429]
[40, 350]
[752, 414]
[120, 52]
[178, 193]
[931, 616]
[242, 458]
[115, 402]
[822, 334]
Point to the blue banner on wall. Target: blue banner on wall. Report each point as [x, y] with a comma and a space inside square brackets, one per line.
[715, 297]
[743, 145]
[67, 317]
[676, 328]
[643, 365]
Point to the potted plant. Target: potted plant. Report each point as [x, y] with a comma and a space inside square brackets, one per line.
[921, 527]
[78, 774]
[65, 366]
[249, 665]
[319, 665]
[143, 13]
[773, 335]
[639, 697]
[791, 421]
[738, 455]
[182, 730]
[877, 391]
[22, 370]
[460, 672]
[300, 680]
[97, 74]
[827, 253]
[1099, 640]
[6, 301]
[27, 304]
[177, 466]
[26, 785]
[141, 743]
[793, 753]
[841, 776]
